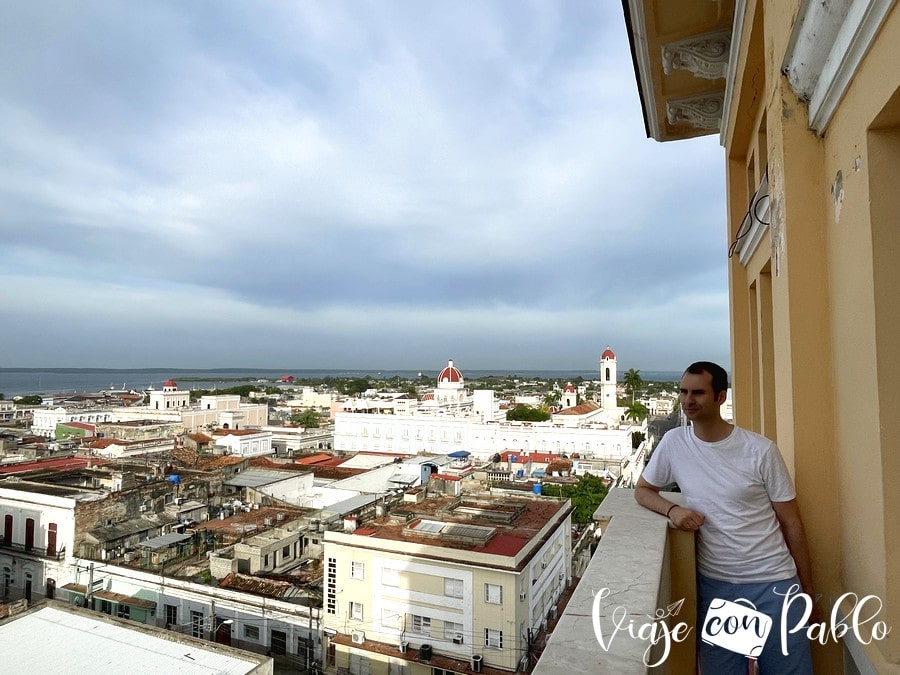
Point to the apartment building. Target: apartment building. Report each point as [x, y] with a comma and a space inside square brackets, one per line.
[446, 583]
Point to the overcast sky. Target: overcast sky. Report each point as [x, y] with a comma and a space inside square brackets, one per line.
[346, 185]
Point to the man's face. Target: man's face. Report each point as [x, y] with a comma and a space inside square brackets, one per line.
[697, 399]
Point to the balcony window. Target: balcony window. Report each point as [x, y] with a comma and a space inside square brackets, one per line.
[356, 611]
[358, 570]
[453, 588]
[421, 624]
[493, 638]
[493, 594]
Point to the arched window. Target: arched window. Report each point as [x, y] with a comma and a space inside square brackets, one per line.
[7, 530]
[29, 534]
[607, 374]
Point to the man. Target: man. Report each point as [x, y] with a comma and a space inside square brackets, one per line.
[740, 501]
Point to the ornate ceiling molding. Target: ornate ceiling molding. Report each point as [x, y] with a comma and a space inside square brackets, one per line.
[705, 56]
[701, 112]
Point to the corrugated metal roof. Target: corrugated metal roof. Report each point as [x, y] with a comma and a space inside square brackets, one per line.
[258, 477]
[164, 540]
[84, 645]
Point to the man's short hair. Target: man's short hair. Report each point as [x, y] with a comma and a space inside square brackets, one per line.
[719, 376]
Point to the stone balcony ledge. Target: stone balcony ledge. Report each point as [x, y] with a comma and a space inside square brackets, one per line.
[645, 564]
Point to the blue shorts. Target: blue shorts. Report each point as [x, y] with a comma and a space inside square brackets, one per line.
[718, 660]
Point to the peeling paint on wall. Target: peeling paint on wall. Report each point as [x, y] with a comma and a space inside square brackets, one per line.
[776, 215]
[837, 193]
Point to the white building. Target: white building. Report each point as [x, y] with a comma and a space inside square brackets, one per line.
[244, 442]
[448, 420]
[446, 584]
[171, 405]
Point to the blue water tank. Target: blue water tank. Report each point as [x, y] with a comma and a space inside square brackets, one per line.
[174, 478]
[537, 488]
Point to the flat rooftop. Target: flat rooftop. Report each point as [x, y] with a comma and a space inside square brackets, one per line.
[496, 525]
[89, 643]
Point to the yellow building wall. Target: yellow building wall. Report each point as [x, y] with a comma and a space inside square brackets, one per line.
[816, 311]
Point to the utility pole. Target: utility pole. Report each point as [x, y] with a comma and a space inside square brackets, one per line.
[89, 593]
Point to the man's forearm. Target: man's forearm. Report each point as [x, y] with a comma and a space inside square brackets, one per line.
[651, 499]
[795, 538]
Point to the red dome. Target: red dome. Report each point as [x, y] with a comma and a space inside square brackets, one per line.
[171, 383]
[450, 374]
[569, 388]
[608, 354]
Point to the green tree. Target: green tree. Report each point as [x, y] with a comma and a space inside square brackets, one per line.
[551, 398]
[636, 412]
[308, 419]
[355, 386]
[636, 439]
[527, 413]
[633, 382]
[32, 399]
[586, 496]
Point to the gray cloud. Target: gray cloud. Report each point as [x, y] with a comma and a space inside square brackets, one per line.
[353, 185]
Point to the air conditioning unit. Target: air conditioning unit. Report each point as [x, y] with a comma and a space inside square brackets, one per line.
[143, 508]
[179, 500]
[476, 663]
[358, 637]
[457, 639]
[522, 595]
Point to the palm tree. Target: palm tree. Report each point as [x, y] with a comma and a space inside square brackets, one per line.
[633, 382]
[636, 412]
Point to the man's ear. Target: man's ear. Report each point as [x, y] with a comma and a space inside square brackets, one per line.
[720, 399]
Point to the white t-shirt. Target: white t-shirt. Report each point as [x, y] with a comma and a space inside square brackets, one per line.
[733, 483]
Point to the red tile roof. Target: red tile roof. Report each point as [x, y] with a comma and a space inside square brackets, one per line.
[580, 409]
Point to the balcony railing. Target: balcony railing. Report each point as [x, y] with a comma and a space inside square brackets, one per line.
[641, 568]
[33, 550]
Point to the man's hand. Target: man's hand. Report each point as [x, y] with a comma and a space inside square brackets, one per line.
[686, 519]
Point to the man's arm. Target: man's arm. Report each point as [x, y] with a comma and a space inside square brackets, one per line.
[647, 495]
[788, 514]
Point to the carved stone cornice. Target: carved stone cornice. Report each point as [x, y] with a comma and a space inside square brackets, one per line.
[702, 112]
[705, 56]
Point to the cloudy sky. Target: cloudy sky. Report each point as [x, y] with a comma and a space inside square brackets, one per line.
[346, 185]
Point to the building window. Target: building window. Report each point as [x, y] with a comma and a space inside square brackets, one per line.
[453, 588]
[106, 607]
[331, 586]
[171, 615]
[123, 611]
[390, 577]
[390, 618]
[421, 624]
[251, 632]
[493, 638]
[357, 570]
[286, 552]
[266, 560]
[493, 594]
[453, 631]
[356, 611]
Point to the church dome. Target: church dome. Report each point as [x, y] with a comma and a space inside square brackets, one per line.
[608, 354]
[171, 383]
[450, 374]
